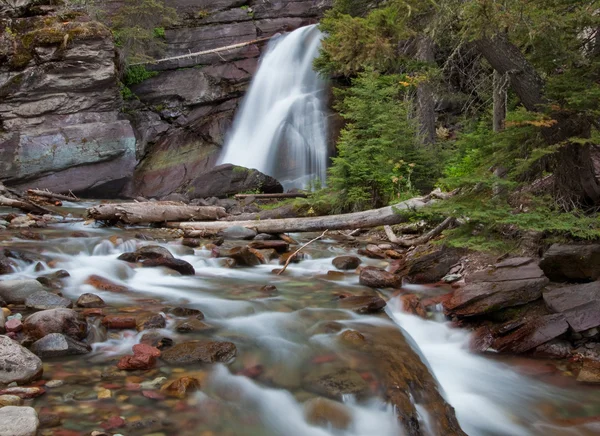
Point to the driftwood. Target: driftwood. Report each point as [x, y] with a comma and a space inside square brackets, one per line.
[51, 195]
[25, 206]
[154, 212]
[295, 253]
[266, 196]
[410, 242]
[372, 218]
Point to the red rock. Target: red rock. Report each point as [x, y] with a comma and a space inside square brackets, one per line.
[153, 395]
[105, 284]
[13, 325]
[92, 312]
[144, 349]
[252, 372]
[531, 334]
[481, 340]
[411, 304]
[378, 278]
[135, 362]
[181, 266]
[119, 322]
[325, 358]
[113, 422]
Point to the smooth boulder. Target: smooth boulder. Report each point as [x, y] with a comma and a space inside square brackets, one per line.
[346, 262]
[47, 300]
[65, 321]
[378, 278]
[58, 345]
[17, 291]
[18, 421]
[17, 363]
[200, 352]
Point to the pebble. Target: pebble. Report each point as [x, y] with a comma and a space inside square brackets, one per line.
[104, 393]
[13, 325]
[153, 384]
[10, 400]
[55, 383]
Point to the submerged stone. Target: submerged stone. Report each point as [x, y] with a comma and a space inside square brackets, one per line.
[58, 345]
[200, 352]
[346, 262]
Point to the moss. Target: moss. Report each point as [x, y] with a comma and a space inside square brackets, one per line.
[239, 170]
[35, 32]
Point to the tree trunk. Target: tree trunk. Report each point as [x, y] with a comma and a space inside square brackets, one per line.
[425, 97]
[499, 101]
[372, 218]
[577, 181]
[154, 212]
[25, 206]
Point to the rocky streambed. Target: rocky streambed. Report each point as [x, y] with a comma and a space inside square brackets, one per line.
[138, 331]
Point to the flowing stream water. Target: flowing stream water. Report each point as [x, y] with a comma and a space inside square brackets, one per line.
[281, 339]
[281, 127]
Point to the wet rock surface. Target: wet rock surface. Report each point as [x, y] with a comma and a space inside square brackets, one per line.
[17, 364]
[378, 278]
[46, 300]
[17, 291]
[346, 262]
[428, 263]
[65, 321]
[58, 345]
[199, 352]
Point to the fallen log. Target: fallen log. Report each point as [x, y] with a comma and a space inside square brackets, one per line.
[268, 196]
[153, 212]
[25, 206]
[372, 218]
[51, 195]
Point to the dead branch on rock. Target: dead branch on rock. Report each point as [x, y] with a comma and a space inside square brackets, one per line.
[295, 253]
[154, 212]
[410, 242]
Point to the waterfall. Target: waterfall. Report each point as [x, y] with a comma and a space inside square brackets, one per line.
[281, 127]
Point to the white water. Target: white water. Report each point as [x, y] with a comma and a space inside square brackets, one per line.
[489, 398]
[281, 127]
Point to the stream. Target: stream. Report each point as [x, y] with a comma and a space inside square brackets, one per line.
[281, 338]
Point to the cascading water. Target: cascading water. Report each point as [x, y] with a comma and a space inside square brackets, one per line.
[281, 128]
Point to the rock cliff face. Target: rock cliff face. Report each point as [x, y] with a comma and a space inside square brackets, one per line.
[64, 125]
[60, 106]
[185, 111]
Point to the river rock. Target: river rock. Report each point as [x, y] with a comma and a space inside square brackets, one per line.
[17, 363]
[378, 278]
[13, 325]
[193, 325]
[6, 265]
[238, 232]
[105, 284]
[224, 180]
[532, 334]
[90, 301]
[335, 383]
[277, 245]
[17, 291]
[590, 371]
[183, 311]
[325, 413]
[65, 321]
[181, 387]
[346, 262]
[54, 280]
[572, 263]
[580, 304]
[191, 242]
[504, 285]
[119, 322]
[58, 345]
[200, 352]
[428, 263]
[46, 300]
[144, 358]
[145, 253]
[10, 400]
[363, 303]
[18, 421]
[181, 266]
[244, 256]
[150, 321]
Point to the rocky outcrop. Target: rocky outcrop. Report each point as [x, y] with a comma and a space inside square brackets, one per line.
[186, 110]
[60, 106]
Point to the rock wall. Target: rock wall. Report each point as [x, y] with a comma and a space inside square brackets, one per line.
[184, 112]
[64, 125]
[60, 106]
